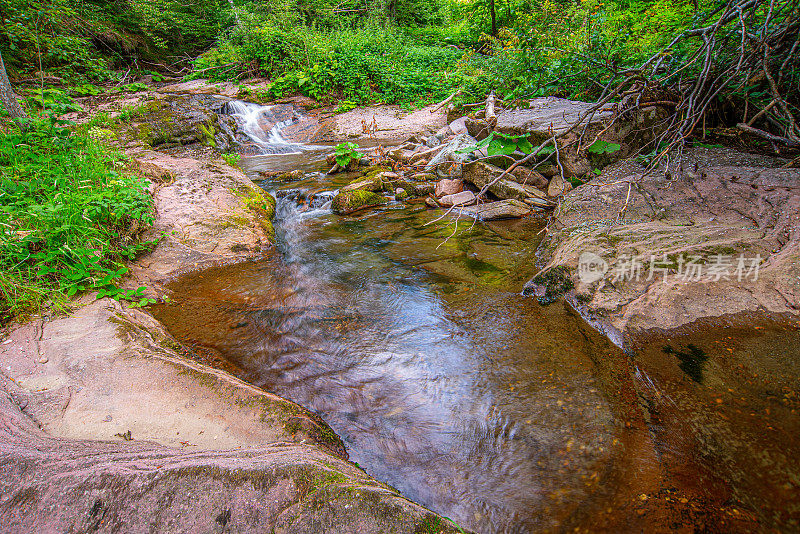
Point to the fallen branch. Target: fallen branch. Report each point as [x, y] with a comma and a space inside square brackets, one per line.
[766, 135]
[446, 101]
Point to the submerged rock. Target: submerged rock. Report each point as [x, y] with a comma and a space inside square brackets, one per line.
[503, 209]
[347, 202]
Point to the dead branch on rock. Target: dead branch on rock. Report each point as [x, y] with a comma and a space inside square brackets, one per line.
[446, 101]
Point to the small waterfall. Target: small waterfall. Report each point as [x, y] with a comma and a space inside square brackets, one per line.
[250, 117]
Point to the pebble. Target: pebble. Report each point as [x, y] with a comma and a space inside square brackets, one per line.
[44, 359]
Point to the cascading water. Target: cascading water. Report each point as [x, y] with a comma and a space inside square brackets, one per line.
[251, 119]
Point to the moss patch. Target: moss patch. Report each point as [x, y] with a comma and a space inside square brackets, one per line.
[347, 202]
[555, 283]
[260, 203]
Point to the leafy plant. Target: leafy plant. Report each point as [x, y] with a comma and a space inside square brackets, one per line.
[69, 216]
[134, 87]
[347, 153]
[231, 159]
[345, 106]
[498, 143]
[603, 147]
[86, 89]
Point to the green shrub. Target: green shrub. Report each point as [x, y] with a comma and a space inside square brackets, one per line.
[69, 216]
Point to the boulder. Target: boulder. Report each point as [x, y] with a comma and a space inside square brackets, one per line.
[547, 116]
[431, 202]
[448, 187]
[347, 202]
[464, 198]
[181, 120]
[365, 184]
[433, 141]
[423, 177]
[450, 154]
[749, 209]
[477, 128]
[503, 209]
[558, 186]
[480, 174]
[424, 188]
[422, 156]
[527, 176]
[400, 154]
[548, 170]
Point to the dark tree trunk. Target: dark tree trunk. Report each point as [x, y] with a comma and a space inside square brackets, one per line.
[7, 94]
[494, 17]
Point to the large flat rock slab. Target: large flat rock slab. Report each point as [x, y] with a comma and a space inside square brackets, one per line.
[549, 115]
[383, 123]
[733, 206]
[107, 370]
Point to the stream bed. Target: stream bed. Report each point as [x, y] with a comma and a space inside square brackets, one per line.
[445, 382]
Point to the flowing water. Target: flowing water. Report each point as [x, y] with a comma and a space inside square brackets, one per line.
[416, 346]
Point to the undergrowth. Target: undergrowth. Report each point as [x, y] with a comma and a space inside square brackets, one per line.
[69, 216]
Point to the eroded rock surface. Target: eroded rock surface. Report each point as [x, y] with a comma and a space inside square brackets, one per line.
[105, 428]
[725, 205]
[206, 212]
[383, 123]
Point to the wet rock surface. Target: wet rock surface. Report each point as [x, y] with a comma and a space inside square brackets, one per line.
[107, 424]
[174, 121]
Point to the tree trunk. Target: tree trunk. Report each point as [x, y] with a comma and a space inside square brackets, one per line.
[494, 17]
[7, 94]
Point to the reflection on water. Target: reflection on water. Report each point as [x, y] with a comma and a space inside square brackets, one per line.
[445, 382]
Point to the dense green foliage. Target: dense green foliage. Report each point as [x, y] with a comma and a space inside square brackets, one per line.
[87, 38]
[69, 216]
[360, 65]
[394, 51]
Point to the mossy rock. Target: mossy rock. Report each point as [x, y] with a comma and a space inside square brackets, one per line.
[179, 121]
[409, 188]
[551, 285]
[262, 204]
[347, 202]
[372, 184]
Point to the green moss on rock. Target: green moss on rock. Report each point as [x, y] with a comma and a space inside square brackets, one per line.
[347, 202]
[550, 286]
[262, 204]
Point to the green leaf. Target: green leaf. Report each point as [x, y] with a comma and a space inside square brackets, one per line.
[524, 146]
[603, 147]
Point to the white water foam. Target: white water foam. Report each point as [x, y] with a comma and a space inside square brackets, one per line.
[247, 117]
